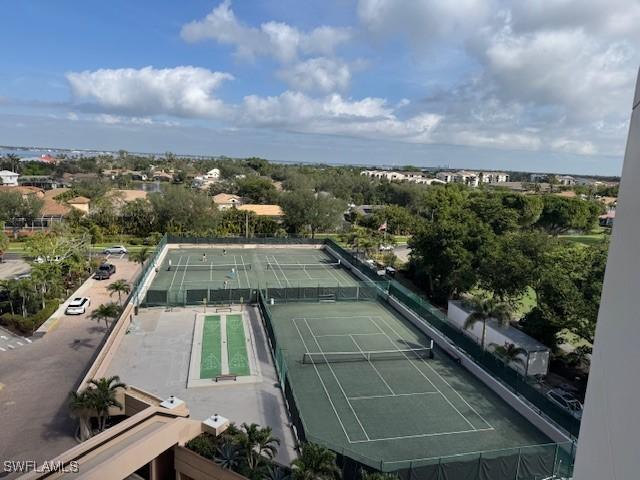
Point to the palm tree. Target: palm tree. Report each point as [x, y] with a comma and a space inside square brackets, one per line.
[23, 289]
[81, 405]
[228, 455]
[106, 312]
[509, 353]
[258, 444]
[315, 463]
[4, 243]
[103, 392]
[377, 476]
[141, 255]
[275, 472]
[485, 308]
[119, 287]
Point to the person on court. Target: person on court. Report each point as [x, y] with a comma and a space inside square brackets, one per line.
[169, 265]
[224, 251]
[204, 257]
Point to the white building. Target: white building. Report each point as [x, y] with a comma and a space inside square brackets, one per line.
[9, 178]
[213, 174]
[610, 429]
[566, 180]
[393, 176]
[536, 361]
[472, 179]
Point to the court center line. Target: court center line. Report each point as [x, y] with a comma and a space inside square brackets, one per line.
[425, 376]
[286, 279]
[423, 435]
[273, 270]
[175, 272]
[372, 366]
[372, 397]
[444, 380]
[305, 270]
[338, 382]
[347, 334]
[324, 387]
[237, 272]
[244, 266]
[184, 274]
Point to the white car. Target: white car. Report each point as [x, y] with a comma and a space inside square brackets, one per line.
[115, 250]
[566, 401]
[78, 306]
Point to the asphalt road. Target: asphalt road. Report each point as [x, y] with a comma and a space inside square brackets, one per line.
[35, 380]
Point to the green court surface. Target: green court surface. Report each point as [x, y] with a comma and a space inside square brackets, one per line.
[393, 410]
[210, 359]
[237, 346]
[244, 268]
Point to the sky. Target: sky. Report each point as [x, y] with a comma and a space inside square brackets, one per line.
[496, 84]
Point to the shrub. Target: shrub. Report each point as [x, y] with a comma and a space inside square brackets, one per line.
[28, 325]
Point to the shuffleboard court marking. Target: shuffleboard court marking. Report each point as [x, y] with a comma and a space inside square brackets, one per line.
[443, 379]
[421, 372]
[338, 382]
[373, 366]
[324, 387]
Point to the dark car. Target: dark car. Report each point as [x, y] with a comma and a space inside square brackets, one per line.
[105, 271]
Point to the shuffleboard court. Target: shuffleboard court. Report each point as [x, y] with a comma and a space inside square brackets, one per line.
[237, 346]
[394, 408]
[210, 359]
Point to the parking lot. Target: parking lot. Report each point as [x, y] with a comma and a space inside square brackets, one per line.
[53, 364]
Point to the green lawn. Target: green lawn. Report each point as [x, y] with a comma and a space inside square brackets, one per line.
[595, 236]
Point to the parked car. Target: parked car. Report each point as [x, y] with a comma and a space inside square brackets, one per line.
[386, 248]
[78, 306]
[566, 401]
[48, 259]
[105, 271]
[115, 250]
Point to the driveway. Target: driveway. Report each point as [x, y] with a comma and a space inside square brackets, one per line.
[402, 252]
[12, 267]
[35, 380]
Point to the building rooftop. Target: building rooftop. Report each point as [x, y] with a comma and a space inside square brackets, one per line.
[263, 210]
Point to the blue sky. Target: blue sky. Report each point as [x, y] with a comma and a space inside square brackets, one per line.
[473, 83]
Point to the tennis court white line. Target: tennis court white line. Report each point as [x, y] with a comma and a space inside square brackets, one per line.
[175, 272]
[324, 387]
[373, 366]
[447, 383]
[305, 271]
[184, 274]
[372, 397]
[423, 374]
[274, 272]
[423, 435]
[286, 279]
[244, 265]
[238, 278]
[338, 382]
[347, 334]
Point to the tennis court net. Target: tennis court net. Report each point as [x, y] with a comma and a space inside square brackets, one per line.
[316, 358]
[206, 267]
[302, 266]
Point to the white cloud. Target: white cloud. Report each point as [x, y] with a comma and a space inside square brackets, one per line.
[275, 39]
[423, 21]
[317, 74]
[180, 91]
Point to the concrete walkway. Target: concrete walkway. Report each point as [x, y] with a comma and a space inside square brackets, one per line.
[35, 381]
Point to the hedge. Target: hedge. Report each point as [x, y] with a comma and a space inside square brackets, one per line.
[28, 325]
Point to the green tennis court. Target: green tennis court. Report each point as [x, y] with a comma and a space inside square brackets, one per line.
[237, 346]
[188, 275]
[398, 409]
[210, 359]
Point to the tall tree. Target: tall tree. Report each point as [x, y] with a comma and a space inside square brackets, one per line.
[315, 463]
[103, 393]
[484, 308]
[305, 210]
[119, 287]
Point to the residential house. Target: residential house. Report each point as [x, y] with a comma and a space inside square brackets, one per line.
[606, 220]
[80, 203]
[493, 177]
[119, 198]
[224, 201]
[271, 211]
[162, 176]
[538, 177]
[54, 210]
[366, 210]
[9, 178]
[384, 175]
[45, 158]
[25, 191]
[204, 181]
[45, 182]
[566, 180]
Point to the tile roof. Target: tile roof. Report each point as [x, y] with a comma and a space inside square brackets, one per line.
[263, 210]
